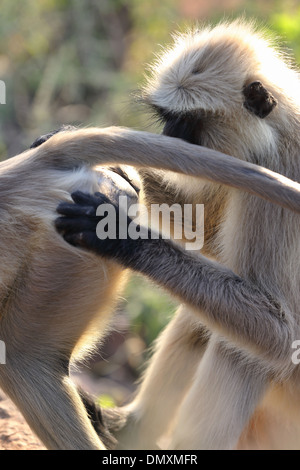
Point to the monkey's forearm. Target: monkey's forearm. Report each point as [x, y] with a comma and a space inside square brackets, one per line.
[226, 302]
[70, 149]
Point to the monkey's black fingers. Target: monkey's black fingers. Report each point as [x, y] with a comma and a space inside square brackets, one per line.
[84, 199]
[101, 198]
[75, 224]
[82, 239]
[43, 138]
[89, 199]
[70, 209]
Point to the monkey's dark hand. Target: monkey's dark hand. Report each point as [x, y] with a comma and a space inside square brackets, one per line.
[78, 226]
[43, 138]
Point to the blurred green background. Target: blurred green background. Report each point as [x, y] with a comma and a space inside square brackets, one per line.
[82, 62]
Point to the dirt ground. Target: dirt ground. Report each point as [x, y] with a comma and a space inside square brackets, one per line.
[14, 431]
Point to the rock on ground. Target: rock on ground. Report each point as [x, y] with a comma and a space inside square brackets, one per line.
[15, 433]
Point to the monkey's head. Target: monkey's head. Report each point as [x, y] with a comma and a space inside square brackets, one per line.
[225, 88]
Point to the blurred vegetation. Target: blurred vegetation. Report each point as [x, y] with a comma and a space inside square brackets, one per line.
[81, 62]
[75, 62]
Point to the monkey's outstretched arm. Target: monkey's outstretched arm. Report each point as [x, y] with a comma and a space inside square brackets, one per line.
[114, 145]
[227, 303]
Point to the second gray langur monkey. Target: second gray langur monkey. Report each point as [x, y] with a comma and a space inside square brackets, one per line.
[226, 380]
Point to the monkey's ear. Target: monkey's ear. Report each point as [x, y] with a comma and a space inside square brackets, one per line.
[258, 100]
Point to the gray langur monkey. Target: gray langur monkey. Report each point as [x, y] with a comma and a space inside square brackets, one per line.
[222, 375]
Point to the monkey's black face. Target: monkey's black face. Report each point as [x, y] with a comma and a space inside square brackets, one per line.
[189, 126]
[186, 126]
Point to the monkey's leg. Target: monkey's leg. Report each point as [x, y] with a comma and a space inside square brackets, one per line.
[49, 402]
[48, 313]
[221, 401]
[165, 382]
